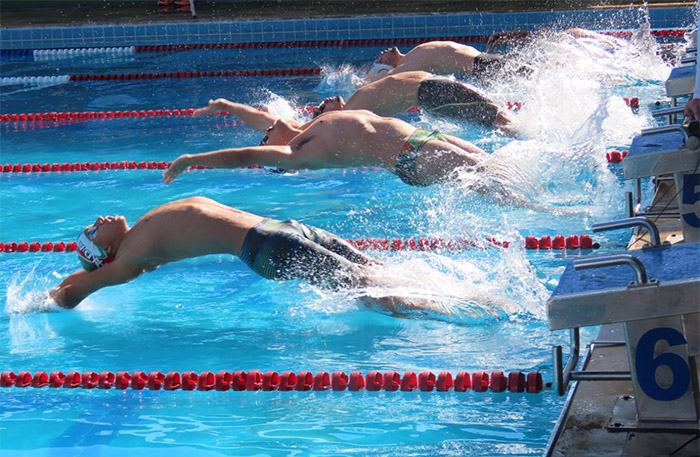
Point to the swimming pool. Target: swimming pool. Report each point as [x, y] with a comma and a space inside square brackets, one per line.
[213, 314]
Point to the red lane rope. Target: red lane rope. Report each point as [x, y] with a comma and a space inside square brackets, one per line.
[391, 381]
[84, 166]
[93, 166]
[67, 117]
[309, 44]
[91, 115]
[55, 118]
[546, 242]
[370, 42]
[196, 74]
[35, 246]
[558, 242]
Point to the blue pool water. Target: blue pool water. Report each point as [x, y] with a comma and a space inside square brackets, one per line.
[213, 314]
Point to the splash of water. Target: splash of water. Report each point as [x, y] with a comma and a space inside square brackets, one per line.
[27, 293]
[452, 289]
[280, 106]
[343, 80]
[571, 113]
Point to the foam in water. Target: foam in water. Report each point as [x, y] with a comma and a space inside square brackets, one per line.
[343, 80]
[28, 293]
[437, 286]
[571, 92]
[572, 111]
[280, 106]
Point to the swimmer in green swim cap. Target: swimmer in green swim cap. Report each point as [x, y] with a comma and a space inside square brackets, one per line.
[112, 252]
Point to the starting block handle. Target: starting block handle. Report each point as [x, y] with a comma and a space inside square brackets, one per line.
[667, 111]
[665, 129]
[620, 259]
[650, 227]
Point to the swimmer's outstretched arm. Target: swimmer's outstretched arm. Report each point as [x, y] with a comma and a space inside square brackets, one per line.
[272, 156]
[256, 118]
[80, 284]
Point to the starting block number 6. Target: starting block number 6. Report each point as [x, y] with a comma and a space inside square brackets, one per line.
[647, 365]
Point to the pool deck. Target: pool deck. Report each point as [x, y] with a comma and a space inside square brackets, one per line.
[15, 13]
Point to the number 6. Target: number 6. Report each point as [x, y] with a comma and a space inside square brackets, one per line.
[647, 364]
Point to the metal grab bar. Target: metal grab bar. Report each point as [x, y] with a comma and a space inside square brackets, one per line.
[631, 222]
[620, 259]
[667, 111]
[666, 129]
[563, 374]
[690, 131]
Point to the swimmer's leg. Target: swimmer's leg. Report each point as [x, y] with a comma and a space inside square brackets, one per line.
[447, 97]
[336, 245]
[421, 307]
[463, 144]
[404, 307]
[289, 254]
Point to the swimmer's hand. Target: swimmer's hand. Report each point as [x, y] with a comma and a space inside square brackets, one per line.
[214, 107]
[180, 165]
[58, 295]
[692, 109]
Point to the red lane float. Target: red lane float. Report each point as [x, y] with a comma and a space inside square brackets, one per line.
[632, 102]
[35, 246]
[57, 116]
[92, 166]
[358, 42]
[84, 166]
[309, 44]
[62, 118]
[377, 244]
[560, 242]
[616, 156]
[421, 244]
[196, 74]
[304, 381]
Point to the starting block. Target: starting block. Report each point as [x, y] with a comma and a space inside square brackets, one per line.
[671, 150]
[655, 294]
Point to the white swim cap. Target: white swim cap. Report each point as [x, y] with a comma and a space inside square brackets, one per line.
[378, 68]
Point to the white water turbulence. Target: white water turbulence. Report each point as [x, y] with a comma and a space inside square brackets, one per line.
[343, 80]
[574, 88]
[572, 112]
[457, 290]
[280, 107]
[28, 293]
